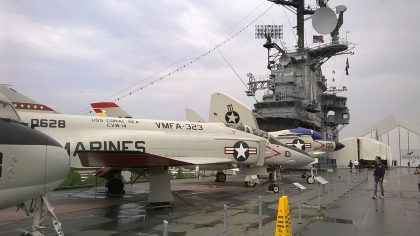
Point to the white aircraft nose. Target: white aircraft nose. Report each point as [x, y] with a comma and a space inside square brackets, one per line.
[300, 159]
[57, 167]
[287, 156]
[304, 159]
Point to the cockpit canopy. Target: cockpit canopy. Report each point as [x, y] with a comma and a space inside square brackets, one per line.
[249, 130]
[7, 111]
[257, 132]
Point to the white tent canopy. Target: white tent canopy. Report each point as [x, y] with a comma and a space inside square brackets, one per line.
[357, 148]
[403, 139]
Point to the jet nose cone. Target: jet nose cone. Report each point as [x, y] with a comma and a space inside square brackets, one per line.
[339, 146]
[57, 166]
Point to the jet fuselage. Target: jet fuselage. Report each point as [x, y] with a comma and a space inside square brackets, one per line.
[178, 142]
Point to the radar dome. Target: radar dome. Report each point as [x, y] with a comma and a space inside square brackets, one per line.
[324, 20]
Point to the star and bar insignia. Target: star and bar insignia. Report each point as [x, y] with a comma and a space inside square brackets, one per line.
[232, 116]
[300, 144]
[240, 151]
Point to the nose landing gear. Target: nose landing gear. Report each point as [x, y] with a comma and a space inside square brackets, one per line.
[311, 178]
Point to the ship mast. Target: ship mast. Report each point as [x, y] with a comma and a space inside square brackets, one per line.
[296, 88]
[300, 16]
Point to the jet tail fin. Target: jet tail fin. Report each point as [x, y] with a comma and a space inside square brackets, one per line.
[226, 109]
[193, 116]
[109, 109]
[22, 102]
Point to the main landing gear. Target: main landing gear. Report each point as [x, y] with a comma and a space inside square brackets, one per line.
[115, 185]
[272, 178]
[220, 177]
[114, 182]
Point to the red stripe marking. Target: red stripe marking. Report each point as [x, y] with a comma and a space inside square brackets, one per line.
[252, 151]
[276, 153]
[31, 106]
[103, 105]
[322, 145]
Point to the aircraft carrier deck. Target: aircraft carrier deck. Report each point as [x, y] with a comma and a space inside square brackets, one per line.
[347, 208]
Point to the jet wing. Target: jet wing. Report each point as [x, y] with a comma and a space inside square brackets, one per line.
[134, 159]
[202, 160]
[22, 102]
[193, 116]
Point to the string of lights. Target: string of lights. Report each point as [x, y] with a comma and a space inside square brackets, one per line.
[190, 62]
[194, 59]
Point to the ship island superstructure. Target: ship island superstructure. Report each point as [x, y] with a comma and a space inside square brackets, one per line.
[296, 92]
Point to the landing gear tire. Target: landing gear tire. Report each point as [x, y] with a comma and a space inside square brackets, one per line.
[274, 187]
[250, 184]
[220, 177]
[310, 179]
[115, 186]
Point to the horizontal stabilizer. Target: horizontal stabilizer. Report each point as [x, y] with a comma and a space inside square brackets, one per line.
[109, 109]
[193, 116]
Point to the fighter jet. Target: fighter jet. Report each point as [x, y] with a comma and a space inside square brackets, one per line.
[224, 108]
[286, 156]
[151, 145]
[32, 164]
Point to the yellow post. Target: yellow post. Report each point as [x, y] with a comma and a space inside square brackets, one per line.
[283, 223]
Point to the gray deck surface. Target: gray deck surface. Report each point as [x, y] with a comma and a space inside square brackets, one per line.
[346, 208]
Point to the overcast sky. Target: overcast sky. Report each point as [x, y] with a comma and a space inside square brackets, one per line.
[68, 54]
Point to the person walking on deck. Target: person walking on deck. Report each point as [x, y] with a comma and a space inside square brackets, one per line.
[378, 177]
